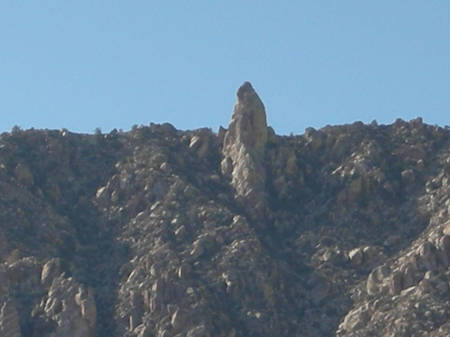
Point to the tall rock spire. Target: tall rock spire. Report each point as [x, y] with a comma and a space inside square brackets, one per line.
[243, 150]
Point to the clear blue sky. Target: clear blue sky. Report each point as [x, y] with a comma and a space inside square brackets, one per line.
[111, 64]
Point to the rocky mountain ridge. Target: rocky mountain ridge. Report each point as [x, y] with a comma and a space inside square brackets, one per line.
[157, 232]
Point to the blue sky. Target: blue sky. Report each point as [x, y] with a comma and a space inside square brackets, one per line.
[111, 64]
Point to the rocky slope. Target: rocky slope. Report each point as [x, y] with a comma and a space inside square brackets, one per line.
[156, 232]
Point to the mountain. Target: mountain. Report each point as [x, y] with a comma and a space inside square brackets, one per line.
[157, 232]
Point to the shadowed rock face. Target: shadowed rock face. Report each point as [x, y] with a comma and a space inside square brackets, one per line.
[157, 232]
[243, 150]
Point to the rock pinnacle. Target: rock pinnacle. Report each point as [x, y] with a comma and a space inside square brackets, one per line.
[243, 149]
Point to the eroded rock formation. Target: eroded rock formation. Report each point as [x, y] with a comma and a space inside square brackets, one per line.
[158, 232]
[243, 150]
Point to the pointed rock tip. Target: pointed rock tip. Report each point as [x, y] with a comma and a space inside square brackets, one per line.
[245, 88]
[249, 104]
[248, 124]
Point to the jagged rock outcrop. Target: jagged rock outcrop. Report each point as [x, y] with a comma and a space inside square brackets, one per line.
[68, 309]
[243, 150]
[156, 232]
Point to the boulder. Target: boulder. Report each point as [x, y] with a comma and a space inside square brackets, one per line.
[356, 257]
[198, 331]
[355, 319]
[50, 271]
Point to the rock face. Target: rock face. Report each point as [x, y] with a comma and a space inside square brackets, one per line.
[157, 232]
[244, 147]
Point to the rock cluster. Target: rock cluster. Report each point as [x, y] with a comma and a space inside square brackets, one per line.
[65, 309]
[68, 309]
[411, 293]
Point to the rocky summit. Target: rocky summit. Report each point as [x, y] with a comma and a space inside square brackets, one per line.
[157, 232]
